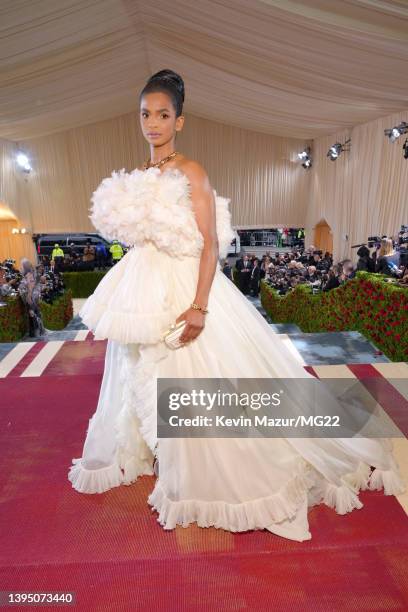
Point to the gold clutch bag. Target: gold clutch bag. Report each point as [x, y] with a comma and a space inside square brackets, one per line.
[171, 336]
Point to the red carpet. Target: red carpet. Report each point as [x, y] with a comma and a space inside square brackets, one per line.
[110, 550]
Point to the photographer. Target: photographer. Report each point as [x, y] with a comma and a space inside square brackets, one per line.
[388, 259]
[244, 267]
[74, 257]
[267, 268]
[52, 285]
[365, 261]
[30, 292]
[327, 261]
[348, 271]
[255, 278]
[101, 256]
[9, 278]
[312, 275]
[314, 278]
[333, 278]
[88, 256]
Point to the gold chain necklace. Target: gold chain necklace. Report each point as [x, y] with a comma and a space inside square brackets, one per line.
[147, 163]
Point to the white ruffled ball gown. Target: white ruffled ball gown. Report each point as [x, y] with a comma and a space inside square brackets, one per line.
[236, 484]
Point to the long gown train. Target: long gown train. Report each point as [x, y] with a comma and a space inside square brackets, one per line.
[236, 484]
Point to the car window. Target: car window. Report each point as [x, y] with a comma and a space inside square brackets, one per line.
[50, 242]
[77, 240]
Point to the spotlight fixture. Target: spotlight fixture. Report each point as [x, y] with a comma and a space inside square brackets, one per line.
[397, 131]
[23, 161]
[336, 149]
[306, 158]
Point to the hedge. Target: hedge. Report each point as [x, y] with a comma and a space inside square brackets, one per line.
[14, 319]
[58, 314]
[366, 304]
[82, 284]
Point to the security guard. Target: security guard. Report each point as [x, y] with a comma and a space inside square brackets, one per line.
[57, 256]
[116, 251]
[57, 251]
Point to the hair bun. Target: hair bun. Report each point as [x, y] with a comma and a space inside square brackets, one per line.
[169, 76]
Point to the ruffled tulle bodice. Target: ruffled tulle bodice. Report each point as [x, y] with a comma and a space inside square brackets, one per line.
[155, 206]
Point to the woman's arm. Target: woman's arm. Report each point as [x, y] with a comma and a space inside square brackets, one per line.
[204, 209]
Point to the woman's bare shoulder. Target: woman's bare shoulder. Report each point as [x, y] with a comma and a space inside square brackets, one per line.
[196, 173]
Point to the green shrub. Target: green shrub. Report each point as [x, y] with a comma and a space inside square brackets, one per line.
[365, 303]
[58, 314]
[82, 284]
[13, 320]
[14, 323]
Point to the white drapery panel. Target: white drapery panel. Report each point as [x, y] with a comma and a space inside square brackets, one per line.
[285, 67]
[258, 172]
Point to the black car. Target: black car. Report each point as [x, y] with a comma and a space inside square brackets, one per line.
[44, 243]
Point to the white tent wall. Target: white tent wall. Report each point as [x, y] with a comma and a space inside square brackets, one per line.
[365, 191]
[361, 194]
[259, 172]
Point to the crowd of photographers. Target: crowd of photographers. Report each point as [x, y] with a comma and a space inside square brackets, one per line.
[11, 279]
[34, 284]
[44, 282]
[284, 271]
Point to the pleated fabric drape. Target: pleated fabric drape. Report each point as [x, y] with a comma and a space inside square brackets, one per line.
[293, 68]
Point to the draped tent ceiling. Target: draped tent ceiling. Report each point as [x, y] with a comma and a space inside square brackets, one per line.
[294, 68]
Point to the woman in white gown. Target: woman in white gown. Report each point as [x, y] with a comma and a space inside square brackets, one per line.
[178, 227]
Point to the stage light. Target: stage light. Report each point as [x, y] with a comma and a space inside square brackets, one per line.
[306, 158]
[23, 162]
[336, 149]
[19, 230]
[397, 131]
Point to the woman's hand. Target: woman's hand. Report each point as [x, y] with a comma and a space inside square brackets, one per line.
[195, 324]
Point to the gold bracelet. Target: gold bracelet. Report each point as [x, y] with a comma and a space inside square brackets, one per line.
[197, 307]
